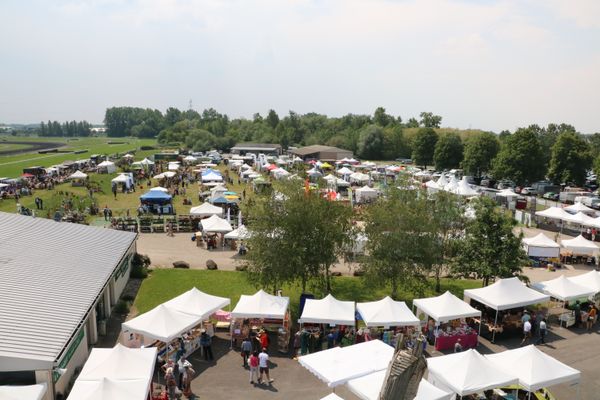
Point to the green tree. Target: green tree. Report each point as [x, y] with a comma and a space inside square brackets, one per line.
[412, 123]
[272, 119]
[371, 143]
[571, 159]
[424, 146]
[597, 168]
[490, 249]
[401, 242]
[429, 120]
[381, 118]
[479, 152]
[520, 158]
[448, 152]
[296, 236]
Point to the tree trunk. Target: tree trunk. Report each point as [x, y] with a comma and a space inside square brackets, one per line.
[327, 280]
[438, 287]
[303, 284]
[394, 289]
[486, 281]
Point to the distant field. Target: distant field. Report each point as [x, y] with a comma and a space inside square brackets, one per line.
[12, 166]
[5, 147]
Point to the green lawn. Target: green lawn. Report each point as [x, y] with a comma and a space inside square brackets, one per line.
[12, 166]
[164, 284]
[12, 146]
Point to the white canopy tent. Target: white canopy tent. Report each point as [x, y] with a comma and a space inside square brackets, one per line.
[339, 365]
[78, 175]
[313, 172]
[579, 207]
[466, 373]
[452, 184]
[125, 179]
[330, 178]
[369, 386]
[328, 310]
[161, 323]
[365, 193]
[463, 188]
[580, 246]
[160, 189]
[541, 246]
[197, 303]
[212, 177]
[590, 280]
[166, 174]
[442, 182]
[554, 213]
[206, 210]
[508, 193]
[386, 312]
[27, 392]
[344, 171]
[107, 166]
[445, 307]
[120, 372]
[173, 166]
[534, 368]
[432, 186]
[190, 159]
[216, 224]
[359, 177]
[146, 161]
[563, 289]
[331, 396]
[581, 219]
[240, 233]
[261, 305]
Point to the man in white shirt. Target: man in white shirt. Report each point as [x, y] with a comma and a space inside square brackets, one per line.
[263, 364]
[542, 331]
[526, 332]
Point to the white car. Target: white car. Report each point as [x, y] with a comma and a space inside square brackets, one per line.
[527, 191]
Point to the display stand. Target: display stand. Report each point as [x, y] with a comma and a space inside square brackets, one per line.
[239, 330]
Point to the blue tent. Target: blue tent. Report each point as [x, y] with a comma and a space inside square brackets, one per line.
[220, 200]
[156, 196]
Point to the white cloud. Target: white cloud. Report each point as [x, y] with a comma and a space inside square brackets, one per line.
[585, 13]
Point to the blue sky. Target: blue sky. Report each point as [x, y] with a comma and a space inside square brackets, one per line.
[479, 63]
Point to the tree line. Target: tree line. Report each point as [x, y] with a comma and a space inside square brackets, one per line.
[67, 128]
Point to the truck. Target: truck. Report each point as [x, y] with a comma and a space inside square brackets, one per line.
[542, 187]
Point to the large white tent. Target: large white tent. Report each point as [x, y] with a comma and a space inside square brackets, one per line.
[386, 312]
[579, 207]
[590, 280]
[344, 171]
[78, 175]
[339, 365]
[505, 294]
[359, 177]
[508, 193]
[554, 213]
[581, 219]
[466, 373]
[161, 323]
[27, 392]
[261, 305]
[541, 246]
[369, 386]
[563, 289]
[197, 303]
[328, 310]
[580, 246]
[464, 189]
[107, 166]
[160, 189]
[331, 396]
[206, 210]
[119, 373]
[216, 224]
[452, 184]
[445, 307]
[146, 161]
[212, 177]
[240, 233]
[365, 193]
[534, 368]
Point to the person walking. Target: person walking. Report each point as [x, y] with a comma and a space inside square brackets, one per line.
[542, 331]
[253, 362]
[188, 375]
[263, 363]
[171, 383]
[246, 350]
[526, 332]
[577, 310]
[591, 317]
[205, 342]
[105, 212]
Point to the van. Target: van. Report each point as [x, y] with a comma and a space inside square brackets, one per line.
[569, 197]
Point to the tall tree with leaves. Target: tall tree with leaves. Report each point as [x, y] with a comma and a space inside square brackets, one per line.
[430, 120]
[479, 152]
[520, 158]
[490, 249]
[424, 146]
[296, 237]
[571, 159]
[448, 152]
[371, 143]
[401, 242]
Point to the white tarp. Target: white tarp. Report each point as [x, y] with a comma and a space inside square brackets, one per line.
[240, 233]
[120, 373]
[78, 175]
[590, 280]
[579, 207]
[339, 365]
[562, 288]
[534, 368]
[261, 305]
[505, 294]
[369, 386]
[466, 373]
[386, 312]
[541, 246]
[580, 246]
[554, 213]
[216, 224]
[198, 303]
[28, 392]
[445, 307]
[328, 310]
[206, 210]
[161, 323]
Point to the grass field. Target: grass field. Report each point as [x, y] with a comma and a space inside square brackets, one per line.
[12, 166]
[12, 146]
[164, 284]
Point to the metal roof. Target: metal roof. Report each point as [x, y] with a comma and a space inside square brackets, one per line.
[317, 148]
[50, 275]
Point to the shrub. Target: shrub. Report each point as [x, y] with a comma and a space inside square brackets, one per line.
[147, 148]
[122, 307]
[139, 266]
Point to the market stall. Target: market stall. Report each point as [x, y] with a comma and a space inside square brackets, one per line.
[541, 246]
[124, 179]
[388, 315]
[448, 321]
[466, 373]
[591, 280]
[365, 194]
[27, 392]
[206, 210]
[117, 373]
[369, 386]
[262, 310]
[357, 360]
[106, 167]
[328, 310]
[156, 201]
[580, 246]
[564, 289]
[503, 295]
[78, 178]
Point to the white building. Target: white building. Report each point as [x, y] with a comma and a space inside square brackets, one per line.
[58, 282]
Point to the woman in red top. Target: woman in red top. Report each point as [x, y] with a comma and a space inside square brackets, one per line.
[264, 340]
[253, 361]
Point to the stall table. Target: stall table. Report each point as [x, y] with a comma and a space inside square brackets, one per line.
[468, 341]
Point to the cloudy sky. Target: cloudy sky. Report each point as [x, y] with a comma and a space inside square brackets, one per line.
[479, 63]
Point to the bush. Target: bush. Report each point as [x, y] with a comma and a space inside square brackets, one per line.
[147, 148]
[122, 307]
[128, 297]
[139, 266]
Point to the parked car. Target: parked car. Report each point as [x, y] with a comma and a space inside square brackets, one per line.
[527, 191]
[551, 196]
[488, 182]
[505, 184]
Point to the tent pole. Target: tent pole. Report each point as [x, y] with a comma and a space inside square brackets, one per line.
[495, 323]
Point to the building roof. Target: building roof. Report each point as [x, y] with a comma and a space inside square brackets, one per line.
[256, 146]
[52, 273]
[317, 148]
